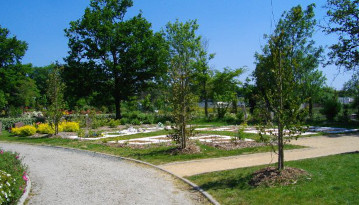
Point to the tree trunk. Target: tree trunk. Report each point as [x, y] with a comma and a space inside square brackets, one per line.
[280, 148]
[118, 108]
[311, 108]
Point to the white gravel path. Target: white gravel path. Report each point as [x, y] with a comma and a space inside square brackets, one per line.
[61, 176]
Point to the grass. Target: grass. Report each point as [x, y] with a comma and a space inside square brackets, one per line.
[334, 180]
[158, 154]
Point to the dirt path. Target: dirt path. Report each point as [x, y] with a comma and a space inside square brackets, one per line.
[318, 146]
[62, 176]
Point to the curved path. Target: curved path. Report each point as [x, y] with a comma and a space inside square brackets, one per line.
[317, 147]
[62, 176]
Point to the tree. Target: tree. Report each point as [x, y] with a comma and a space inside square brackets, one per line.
[279, 72]
[344, 17]
[224, 89]
[55, 95]
[11, 71]
[127, 50]
[352, 87]
[185, 46]
[203, 74]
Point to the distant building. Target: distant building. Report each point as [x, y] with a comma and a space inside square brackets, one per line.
[346, 100]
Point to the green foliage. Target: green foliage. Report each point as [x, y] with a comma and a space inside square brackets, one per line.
[12, 171]
[343, 19]
[55, 94]
[184, 48]
[114, 123]
[224, 89]
[280, 69]
[7, 123]
[128, 51]
[331, 108]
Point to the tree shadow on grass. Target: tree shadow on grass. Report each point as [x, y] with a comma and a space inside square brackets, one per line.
[240, 182]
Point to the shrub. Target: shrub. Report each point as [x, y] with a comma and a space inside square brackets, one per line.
[8, 122]
[124, 121]
[70, 126]
[24, 131]
[114, 123]
[45, 128]
[331, 108]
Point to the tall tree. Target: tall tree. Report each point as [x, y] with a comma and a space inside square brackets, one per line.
[11, 71]
[128, 50]
[344, 18]
[279, 72]
[185, 46]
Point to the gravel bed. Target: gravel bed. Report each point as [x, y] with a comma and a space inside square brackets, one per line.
[61, 176]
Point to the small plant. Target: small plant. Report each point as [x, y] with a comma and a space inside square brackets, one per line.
[81, 133]
[114, 123]
[240, 134]
[70, 126]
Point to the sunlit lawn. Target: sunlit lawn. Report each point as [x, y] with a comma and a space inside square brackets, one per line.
[333, 180]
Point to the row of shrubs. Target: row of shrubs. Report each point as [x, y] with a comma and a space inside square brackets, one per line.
[7, 123]
[45, 128]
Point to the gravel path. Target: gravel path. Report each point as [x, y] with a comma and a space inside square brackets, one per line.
[318, 147]
[61, 176]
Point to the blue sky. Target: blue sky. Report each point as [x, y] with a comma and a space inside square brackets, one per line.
[234, 28]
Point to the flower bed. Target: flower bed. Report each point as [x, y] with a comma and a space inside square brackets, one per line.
[13, 177]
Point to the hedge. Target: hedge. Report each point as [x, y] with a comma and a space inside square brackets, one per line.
[9, 122]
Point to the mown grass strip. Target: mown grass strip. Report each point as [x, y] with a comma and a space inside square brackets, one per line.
[333, 180]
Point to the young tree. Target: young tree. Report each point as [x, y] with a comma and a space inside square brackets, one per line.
[344, 17]
[55, 96]
[279, 72]
[185, 46]
[127, 50]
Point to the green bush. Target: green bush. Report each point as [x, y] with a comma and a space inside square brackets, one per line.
[331, 109]
[7, 123]
[124, 121]
[114, 123]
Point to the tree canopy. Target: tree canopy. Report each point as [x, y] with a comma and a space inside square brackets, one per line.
[127, 50]
[343, 21]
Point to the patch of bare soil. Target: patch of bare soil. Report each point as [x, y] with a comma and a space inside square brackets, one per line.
[271, 176]
[139, 146]
[232, 146]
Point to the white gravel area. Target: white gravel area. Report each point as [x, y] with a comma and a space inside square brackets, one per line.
[62, 176]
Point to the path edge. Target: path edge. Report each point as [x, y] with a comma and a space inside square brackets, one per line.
[193, 185]
[27, 191]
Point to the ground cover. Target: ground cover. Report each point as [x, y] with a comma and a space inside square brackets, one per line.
[332, 180]
[13, 177]
[156, 154]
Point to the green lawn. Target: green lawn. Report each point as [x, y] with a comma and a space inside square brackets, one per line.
[334, 180]
[153, 154]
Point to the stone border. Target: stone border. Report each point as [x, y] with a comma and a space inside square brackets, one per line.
[27, 192]
[193, 185]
